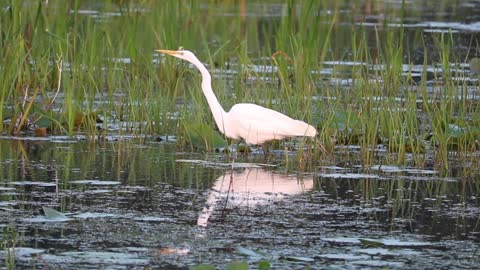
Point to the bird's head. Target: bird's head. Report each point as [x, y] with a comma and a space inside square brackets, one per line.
[181, 53]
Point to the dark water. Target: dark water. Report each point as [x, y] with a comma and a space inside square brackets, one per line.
[134, 204]
[137, 203]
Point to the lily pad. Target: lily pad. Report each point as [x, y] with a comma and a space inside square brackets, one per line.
[237, 266]
[264, 265]
[203, 267]
[53, 214]
[248, 252]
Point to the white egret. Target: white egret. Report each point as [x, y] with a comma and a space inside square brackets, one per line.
[250, 122]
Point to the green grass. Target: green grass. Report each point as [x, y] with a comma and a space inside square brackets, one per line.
[8, 242]
[61, 69]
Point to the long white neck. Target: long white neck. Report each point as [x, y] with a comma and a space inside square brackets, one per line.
[218, 112]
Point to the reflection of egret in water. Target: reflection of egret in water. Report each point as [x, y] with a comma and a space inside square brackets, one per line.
[251, 187]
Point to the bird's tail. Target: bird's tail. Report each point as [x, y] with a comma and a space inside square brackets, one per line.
[303, 129]
[310, 131]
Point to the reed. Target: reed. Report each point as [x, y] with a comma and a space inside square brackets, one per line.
[63, 69]
[8, 242]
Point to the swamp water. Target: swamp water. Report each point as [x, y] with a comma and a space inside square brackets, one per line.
[135, 204]
[141, 203]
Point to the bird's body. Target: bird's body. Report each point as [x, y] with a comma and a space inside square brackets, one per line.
[256, 124]
[253, 123]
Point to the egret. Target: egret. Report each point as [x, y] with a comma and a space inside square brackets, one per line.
[252, 123]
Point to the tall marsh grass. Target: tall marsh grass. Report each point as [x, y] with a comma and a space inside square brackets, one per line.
[66, 64]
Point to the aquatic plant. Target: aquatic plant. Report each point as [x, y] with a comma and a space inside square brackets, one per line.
[8, 243]
[66, 69]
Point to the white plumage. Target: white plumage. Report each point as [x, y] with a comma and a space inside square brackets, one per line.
[253, 123]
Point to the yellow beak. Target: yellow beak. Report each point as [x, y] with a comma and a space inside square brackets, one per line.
[168, 52]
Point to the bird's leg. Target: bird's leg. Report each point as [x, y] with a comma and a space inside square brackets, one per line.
[233, 163]
[244, 149]
[265, 149]
[230, 188]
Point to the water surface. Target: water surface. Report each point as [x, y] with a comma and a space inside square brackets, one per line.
[137, 202]
[132, 204]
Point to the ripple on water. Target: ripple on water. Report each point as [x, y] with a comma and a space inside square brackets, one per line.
[32, 183]
[21, 252]
[96, 257]
[349, 175]
[95, 182]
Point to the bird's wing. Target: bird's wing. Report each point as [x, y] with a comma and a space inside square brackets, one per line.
[258, 124]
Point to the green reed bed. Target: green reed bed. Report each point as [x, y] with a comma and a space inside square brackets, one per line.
[66, 65]
[8, 243]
